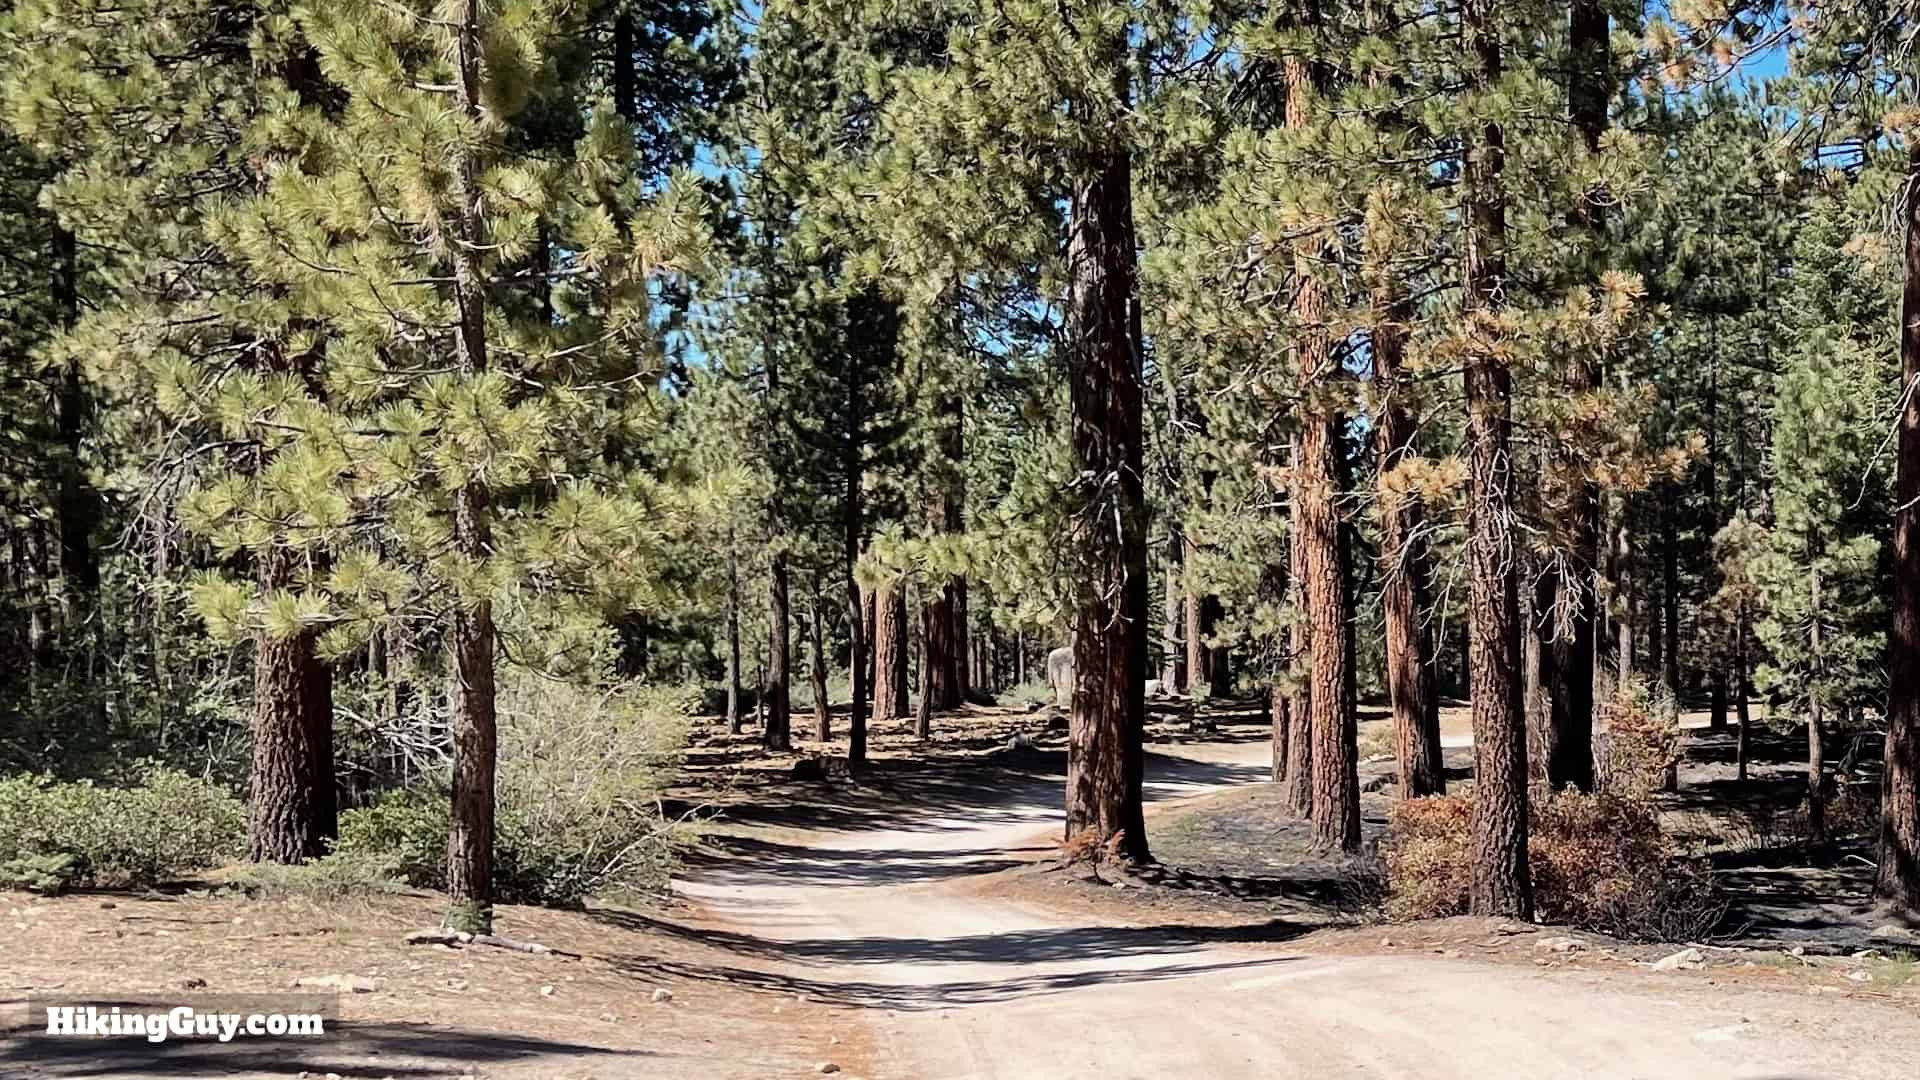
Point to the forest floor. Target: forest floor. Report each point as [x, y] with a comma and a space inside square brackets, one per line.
[625, 1006]
[915, 923]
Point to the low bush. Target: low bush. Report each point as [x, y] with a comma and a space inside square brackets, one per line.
[577, 811]
[339, 874]
[56, 836]
[1639, 744]
[1027, 693]
[1598, 861]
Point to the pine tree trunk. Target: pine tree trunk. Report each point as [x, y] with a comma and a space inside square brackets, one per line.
[734, 724]
[78, 507]
[870, 625]
[1570, 750]
[923, 701]
[870, 334]
[962, 644]
[776, 698]
[626, 83]
[1173, 665]
[1744, 689]
[475, 734]
[291, 807]
[1621, 570]
[1106, 725]
[941, 652]
[1323, 538]
[1281, 727]
[1197, 630]
[947, 607]
[1816, 776]
[471, 637]
[1297, 789]
[1670, 598]
[1501, 883]
[890, 635]
[817, 640]
[1404, 580]
[1897, 881]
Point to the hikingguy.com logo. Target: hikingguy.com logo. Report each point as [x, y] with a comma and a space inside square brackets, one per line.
[203, 1018]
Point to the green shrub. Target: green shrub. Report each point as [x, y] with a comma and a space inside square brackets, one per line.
[63, 835]
[38, 873]
[1598, 861]
[577, 811]
[339, 874]
[406, 830]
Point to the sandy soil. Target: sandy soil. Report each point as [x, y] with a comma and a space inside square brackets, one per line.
[887, 916]
[429, 1011]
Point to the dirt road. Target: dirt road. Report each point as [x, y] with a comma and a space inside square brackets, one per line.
[956, 985]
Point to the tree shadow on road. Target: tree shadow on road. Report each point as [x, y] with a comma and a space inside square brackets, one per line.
[1020, 951]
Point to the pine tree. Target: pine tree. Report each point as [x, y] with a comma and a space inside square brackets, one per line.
[484, 311]
[87, 78]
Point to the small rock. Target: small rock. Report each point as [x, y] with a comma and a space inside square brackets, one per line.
[827, 1067]
[609, 1018]
[1386, 943]
[1020, 741]
[346, 984]
[1867, 954]
[833, 1040]
[457, 984]
[1119, 884]
[1797, 950]
[662, 994]
[1862, 975]
[1896, 934]
[1684, 960]
[1560, 944]
[108, 905]
[546, 991]
[193, 984]
[1449, 952]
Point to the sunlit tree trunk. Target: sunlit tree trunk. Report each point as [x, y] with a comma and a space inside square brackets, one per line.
[1106, 724]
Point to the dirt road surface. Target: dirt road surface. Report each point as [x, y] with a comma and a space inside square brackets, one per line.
[952, 983]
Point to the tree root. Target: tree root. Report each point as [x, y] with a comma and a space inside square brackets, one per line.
[441, 935]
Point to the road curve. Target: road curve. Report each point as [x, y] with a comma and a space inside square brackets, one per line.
[955, 985]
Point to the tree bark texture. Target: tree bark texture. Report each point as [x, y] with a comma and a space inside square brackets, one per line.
[1501, 885]
[890, 644]
[471, 638]
[1897, 881]
[1404, 582]
[1106, 724]
[292, 809]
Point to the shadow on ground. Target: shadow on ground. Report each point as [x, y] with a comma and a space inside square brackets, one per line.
[348, 1049]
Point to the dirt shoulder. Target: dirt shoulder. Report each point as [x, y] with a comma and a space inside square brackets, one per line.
[636, 1001]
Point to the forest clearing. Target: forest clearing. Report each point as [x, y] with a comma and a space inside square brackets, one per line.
[951, 538]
